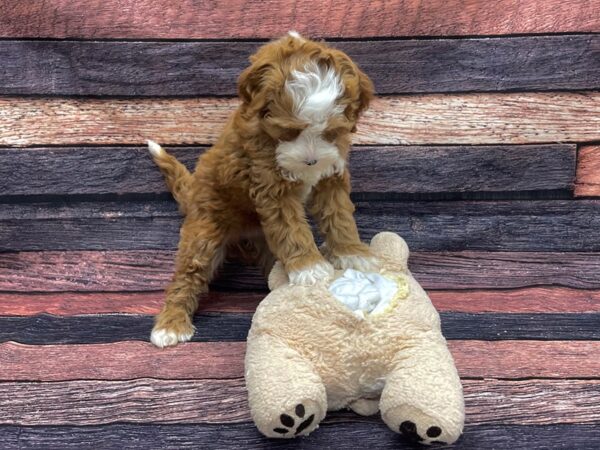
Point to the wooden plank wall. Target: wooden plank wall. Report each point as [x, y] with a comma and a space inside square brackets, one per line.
[482, 150]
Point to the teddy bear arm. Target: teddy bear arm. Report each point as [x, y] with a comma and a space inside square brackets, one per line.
[422, 397]
[287, 397]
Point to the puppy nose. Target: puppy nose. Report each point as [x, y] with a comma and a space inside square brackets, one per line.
[311, 162]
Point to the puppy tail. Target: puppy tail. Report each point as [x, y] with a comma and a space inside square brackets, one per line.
[177, 176]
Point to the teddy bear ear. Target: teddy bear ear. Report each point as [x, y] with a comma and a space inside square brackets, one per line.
[391, 247]
[278, 276]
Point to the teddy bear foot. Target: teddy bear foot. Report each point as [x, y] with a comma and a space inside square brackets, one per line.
[419, 427]
[300, 420]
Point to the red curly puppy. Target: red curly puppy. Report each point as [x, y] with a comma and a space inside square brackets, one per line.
[284, 148]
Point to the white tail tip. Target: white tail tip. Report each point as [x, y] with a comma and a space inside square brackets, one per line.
[295, 35]
[155, 149]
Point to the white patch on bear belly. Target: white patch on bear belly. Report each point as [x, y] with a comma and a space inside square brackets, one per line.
[364, 293]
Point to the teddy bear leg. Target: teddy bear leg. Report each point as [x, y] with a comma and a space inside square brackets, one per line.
[287, 397]
[422, 397]
[365, 406]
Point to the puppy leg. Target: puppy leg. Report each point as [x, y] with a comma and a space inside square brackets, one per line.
[331, 206]
[201, 250]
[290, 238]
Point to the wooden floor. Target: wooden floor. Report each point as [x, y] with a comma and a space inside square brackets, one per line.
[482, 150]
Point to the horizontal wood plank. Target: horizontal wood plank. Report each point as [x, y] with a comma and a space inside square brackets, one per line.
[547, 226]
[80, 303]
[524, 300]
[201, 360]
[492, 118]
[588, 171]
[337, 430]
[211, 68]
[416, 169]
[146, 270]
[222, 327]
[189, 19]
[493, 402]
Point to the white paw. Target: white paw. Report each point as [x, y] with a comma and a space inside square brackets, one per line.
[321, 271]
[165, 338]
[356, 262]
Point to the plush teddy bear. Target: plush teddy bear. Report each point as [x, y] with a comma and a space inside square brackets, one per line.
[367, 341]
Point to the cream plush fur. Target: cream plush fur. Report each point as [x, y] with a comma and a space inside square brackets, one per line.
[309, 353]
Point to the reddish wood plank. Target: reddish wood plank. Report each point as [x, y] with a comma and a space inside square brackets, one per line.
[529, 402]
[127, 360]
[189, 19]
[515, 118]
[150, 270]
[588, 171]
[120, 361]
[527, 300]
[78, 303]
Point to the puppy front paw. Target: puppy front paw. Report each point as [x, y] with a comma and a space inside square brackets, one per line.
[163, 337]
[172, 326]
[362, 263]
[312, 274]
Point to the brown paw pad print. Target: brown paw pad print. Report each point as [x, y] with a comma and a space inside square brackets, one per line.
[288, 422]
[409, 430]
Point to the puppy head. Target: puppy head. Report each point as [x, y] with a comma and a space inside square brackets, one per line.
[306, 98]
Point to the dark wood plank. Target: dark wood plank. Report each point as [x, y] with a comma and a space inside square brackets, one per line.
[553, 226]
[491, 118]
[68, 171]
[211, 68]
[224, 327]
[493, 402]
[588, 171]
[525, 300]
[338, 431]
[203, 360]
[148, 270]
[189, 19]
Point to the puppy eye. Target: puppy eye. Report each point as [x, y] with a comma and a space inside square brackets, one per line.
[332, 135]
[289, 134]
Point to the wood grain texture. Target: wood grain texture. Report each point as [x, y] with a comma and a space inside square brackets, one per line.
[525, 300]
[146, 270]
[588, 171]
[200, 360]
[554, 226]
[337, 430]
[189, 19]
[211, 68]
[493, 402]
[79, 303]
[231, 327]
[416, 169]
[120, 361]
[492, 118]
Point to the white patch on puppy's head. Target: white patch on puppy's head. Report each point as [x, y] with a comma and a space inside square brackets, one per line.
[314, 92]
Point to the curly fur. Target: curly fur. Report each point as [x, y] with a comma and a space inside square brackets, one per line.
[285, 147]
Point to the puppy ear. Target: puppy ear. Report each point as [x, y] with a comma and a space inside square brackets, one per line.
[251, 81]
[366, 93]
